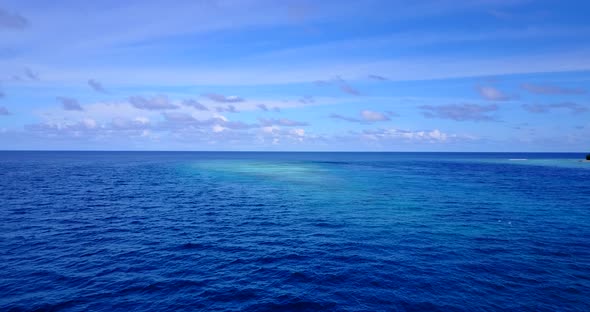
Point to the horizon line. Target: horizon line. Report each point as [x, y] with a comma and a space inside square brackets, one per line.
[310, 151]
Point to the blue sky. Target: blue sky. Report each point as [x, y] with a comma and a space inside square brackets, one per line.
[480, 75]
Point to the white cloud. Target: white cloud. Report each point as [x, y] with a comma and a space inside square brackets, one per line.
[158, 102]
[142, 120]
[270, 129]
[372, 116]
[70, 104]
[421, 136]
[492, 94]
[461, 112]
[218, 128]
[366, 116]
[226, 109]
[195, 104]
[298, 132]
[282, 122]
[265, 108]
[222, 98]
[178, 117]
[89, 123]
[138, 123]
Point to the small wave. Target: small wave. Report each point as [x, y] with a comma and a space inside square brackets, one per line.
[518, 159]
[191, 246]
[328, 225]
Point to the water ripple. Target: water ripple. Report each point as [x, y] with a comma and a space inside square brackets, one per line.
[292, 232]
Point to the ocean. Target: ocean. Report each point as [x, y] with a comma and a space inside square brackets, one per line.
[248, 231]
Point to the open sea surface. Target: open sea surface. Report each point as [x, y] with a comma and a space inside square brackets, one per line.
[222, 231]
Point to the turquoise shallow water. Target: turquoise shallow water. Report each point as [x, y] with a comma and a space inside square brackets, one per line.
[148, 231]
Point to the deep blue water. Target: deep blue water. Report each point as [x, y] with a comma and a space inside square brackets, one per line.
[150, 231]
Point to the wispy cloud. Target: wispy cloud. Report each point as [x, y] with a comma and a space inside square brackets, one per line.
[262, 107]
[266, 108]
[194, 104]
[65, 128]
[460, 112]
[29, 73]
[492, 94]
[342, 84]
[96, 86]
[4, 111]
[159, 102]
[412, 136]
[138, 123]
[89, 129]
[366, 116]
[222, 98]
[377, 77]
[551, 89]
[345, 118]
[574, 108]
[399, 69]
[181, 121]
[178, 117]
[69, 104]
[282, 122]
[307, 99]
[235, 125]
[12, 21]
[372, 116]
[226, 109]
[346, 88]
[134, 49]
